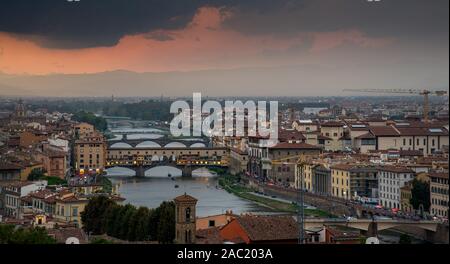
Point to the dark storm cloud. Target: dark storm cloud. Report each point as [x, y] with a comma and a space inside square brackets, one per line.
[91, 23]
[386, 18]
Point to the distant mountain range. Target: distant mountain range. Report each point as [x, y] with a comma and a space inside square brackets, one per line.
[304, 80]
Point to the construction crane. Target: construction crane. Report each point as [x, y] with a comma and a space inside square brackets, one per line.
[300, 161]
[425, 93]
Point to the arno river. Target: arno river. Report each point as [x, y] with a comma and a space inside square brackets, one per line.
[153, 190]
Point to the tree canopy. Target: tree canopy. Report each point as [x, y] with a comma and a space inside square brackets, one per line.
[9, 234]
[420, 195]
[126, 222]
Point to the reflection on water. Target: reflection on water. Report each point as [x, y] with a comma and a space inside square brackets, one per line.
[151, 191]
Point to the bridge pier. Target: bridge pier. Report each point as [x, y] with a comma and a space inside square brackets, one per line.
[372, 230]
[186, 171]
[140, 171]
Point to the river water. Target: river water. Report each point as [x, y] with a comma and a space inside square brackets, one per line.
[157, 187]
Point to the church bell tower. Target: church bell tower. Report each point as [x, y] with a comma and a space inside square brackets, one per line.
[185, 217]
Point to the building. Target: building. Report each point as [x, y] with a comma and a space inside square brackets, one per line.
[333, 130]
[251, 229]
[405, 197]
[53, 159]
[13, 192]
[30, 138]
[305, 125]
[90, 153]
[390, 180]
[425, 139]
[9, 171]
[316, 178]
[283, 159]
[238, 161]
[439, 194]
[337, 236]
[68, 207]
[214, 220]
[83, 130]
[350, 181]
[185, 219]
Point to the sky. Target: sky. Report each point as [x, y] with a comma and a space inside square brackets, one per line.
[310, 47]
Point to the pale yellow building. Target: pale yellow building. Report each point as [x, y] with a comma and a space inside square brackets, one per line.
[439, 194]
[90, 153]
[334, 130]
[69, 207]
[83, 129]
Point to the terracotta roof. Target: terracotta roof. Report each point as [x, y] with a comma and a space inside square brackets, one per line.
[285, 145]
[383, 131]
[9, 166]
[332, 124]
[290, 135]
[62, 234]
[342, 167]
[267, 228]
[42, 194]
[409, 153]
[185, 198]
[208, 236]
[443, 175]
[26, 199]
[396, 169]
[422, 131]
[365, 136]
[339, 235]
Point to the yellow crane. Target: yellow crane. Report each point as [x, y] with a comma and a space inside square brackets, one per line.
[425, 93]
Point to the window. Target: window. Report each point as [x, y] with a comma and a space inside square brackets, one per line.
[188, 214]
[75, 211]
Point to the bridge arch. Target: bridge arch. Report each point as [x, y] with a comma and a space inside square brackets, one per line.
[121, 145]
[120, 171]
[148, 144]
[163, 171]
[175, 145]
[198, 145]
[203, 172]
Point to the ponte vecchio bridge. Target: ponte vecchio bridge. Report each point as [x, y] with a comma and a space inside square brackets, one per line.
[141, 155]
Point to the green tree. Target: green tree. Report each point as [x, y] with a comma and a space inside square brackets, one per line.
[36, 174]
[98, 122]
[166, 223]
[125, 226]
[101, 241]
[94, 214]
[420, 195]
[111, 221]
[9, 234]
[139, 230]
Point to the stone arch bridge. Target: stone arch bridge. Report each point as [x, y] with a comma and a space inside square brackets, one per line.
[142, 159]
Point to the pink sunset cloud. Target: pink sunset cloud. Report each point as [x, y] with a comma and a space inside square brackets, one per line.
[203, 44]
